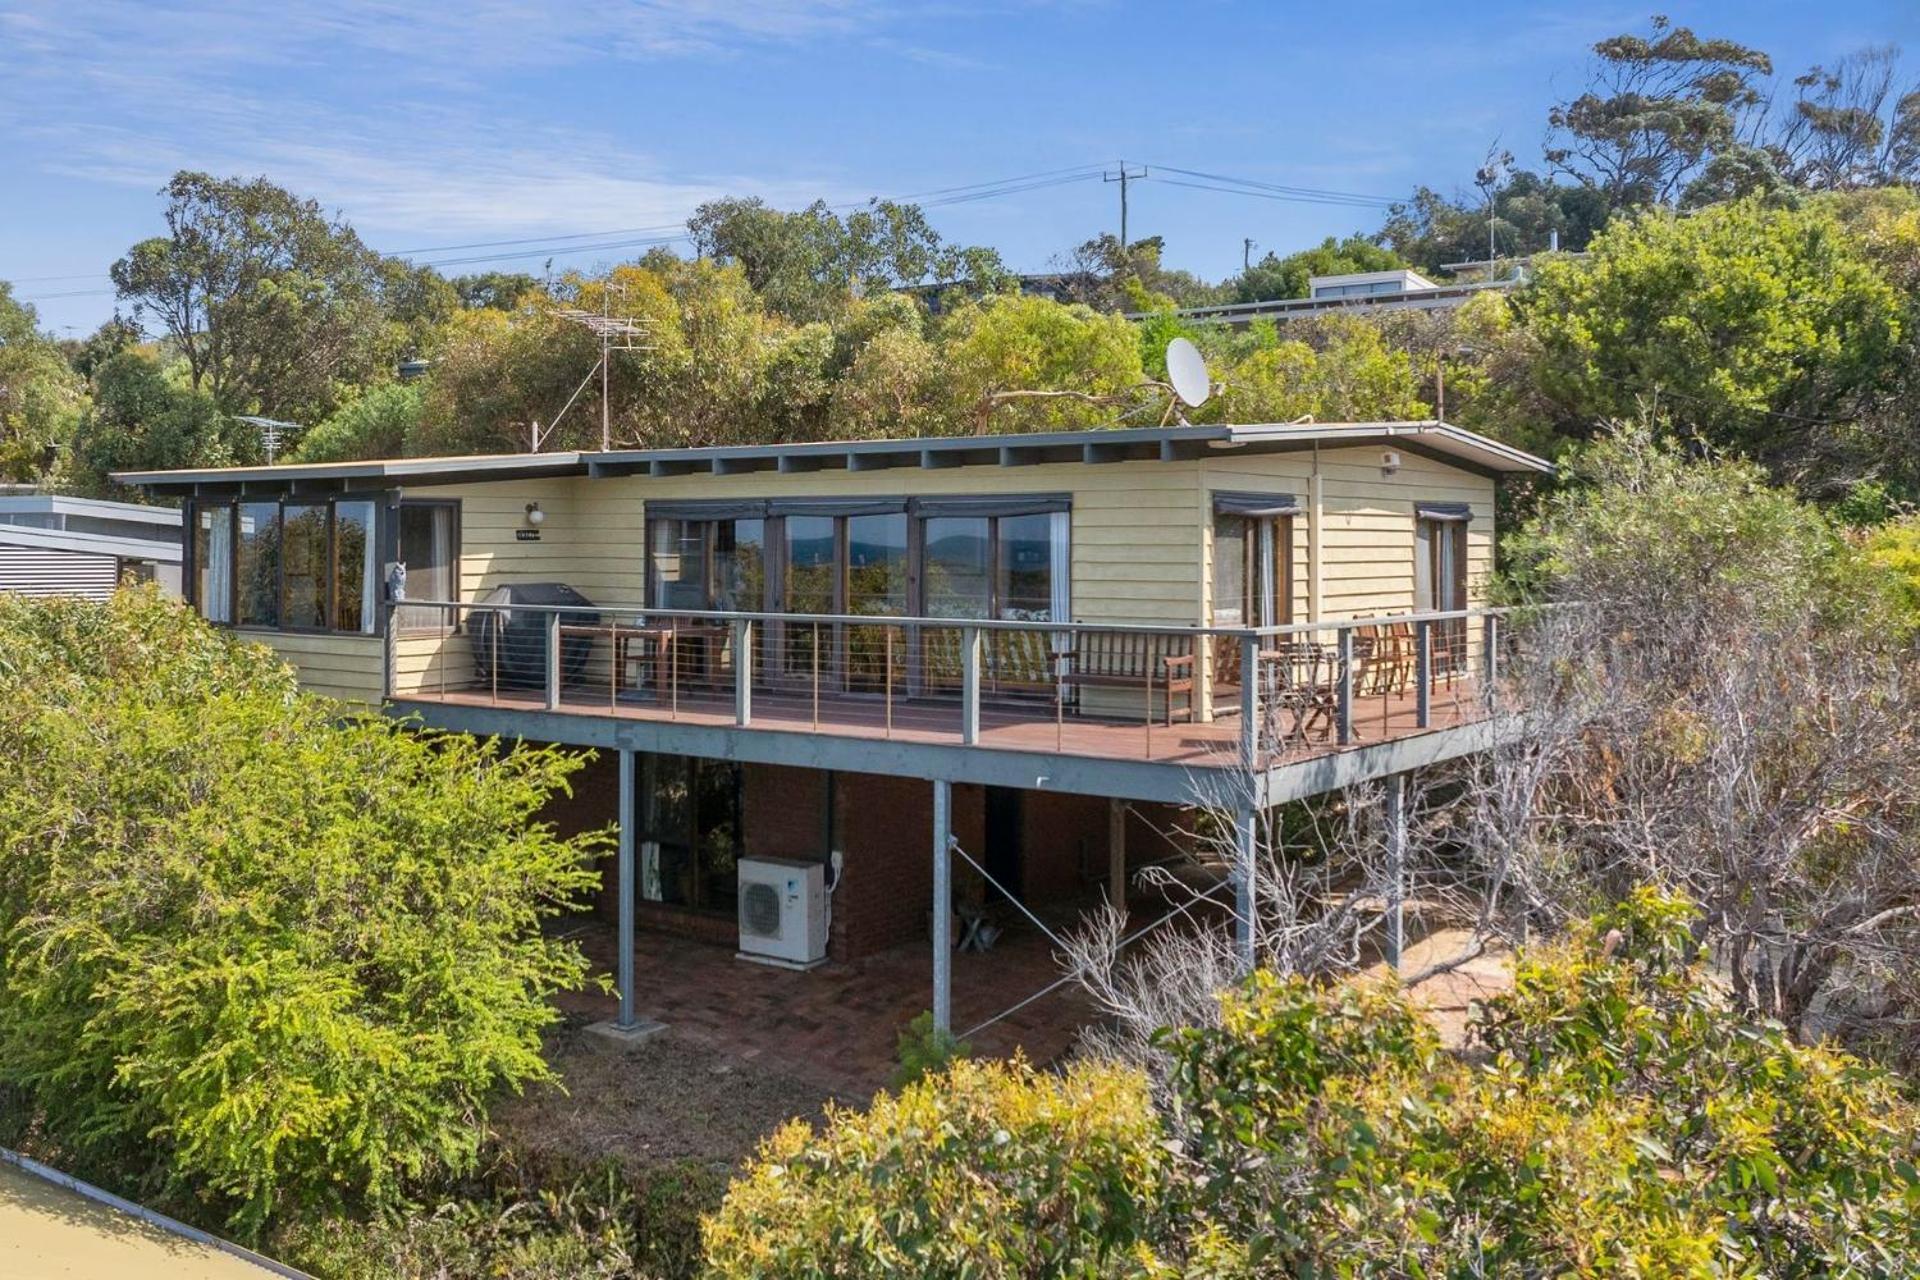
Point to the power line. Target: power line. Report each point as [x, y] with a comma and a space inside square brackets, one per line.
[1282, 188]
[962, 193]
[569, 244]
[69, 293]
[1268, 195]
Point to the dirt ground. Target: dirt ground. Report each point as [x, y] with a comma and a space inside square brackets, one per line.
[664, 1100]
[678, 1097]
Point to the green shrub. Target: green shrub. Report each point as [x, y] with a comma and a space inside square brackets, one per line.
[1627, 1123]
[992, 1169]
[534, 1221]
[923, 1048]
[1620, 1120]
[580, 1231]
[256, 956]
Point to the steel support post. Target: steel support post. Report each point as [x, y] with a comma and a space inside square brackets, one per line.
[1396, 867]
[628, 826]
[553, 661]
[942, 905]
[1245, 896]
[742, 671]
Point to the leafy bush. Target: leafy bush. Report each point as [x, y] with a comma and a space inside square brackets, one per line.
[250, 949]
[993, 1169]
[1620, 1121]
[580, 1231]
[923, 1048]
[543, 1220]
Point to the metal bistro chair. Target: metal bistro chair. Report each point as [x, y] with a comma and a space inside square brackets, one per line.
[1300, 692]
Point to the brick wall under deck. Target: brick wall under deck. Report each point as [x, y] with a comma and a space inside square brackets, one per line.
[885, 830]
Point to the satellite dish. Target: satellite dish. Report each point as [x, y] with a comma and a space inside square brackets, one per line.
[1187, 371]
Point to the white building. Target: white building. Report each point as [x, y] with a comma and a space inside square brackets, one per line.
[56, 545]
[1363, 284]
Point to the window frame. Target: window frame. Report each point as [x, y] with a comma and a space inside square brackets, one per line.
[777, 593]
[777, 588]
[390, 545]
[384, 530]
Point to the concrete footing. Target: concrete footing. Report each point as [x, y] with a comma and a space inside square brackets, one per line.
[640, 1029]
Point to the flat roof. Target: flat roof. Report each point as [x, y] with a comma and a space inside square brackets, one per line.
[1435, 439]
[61, 504]
[450, 469]
[163, 550]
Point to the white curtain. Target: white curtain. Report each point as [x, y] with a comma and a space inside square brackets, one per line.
[362, 513]
[1423, 535]
[442, 575]
[1060, 580]
[1060, 567]
[1266, 602]
[216, 603]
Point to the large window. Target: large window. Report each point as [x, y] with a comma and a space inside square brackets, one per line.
[689, 831]
[305, 566]
[258, 565]
[299, 565]
[356, 567]
[812, 582]
[877, 585]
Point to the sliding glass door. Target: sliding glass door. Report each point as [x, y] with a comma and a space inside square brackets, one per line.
[877, 587]
[953, 558]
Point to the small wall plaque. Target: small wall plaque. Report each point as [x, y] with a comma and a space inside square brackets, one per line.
[526, 535]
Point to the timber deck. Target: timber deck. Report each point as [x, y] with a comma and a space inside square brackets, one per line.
[1005, 724]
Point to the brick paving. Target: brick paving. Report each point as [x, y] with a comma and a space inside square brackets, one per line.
[834, 1027]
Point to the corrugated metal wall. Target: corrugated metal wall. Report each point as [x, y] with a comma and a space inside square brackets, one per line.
[36, 572]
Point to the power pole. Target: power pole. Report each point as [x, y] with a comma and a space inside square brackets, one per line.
[1123, 178]
[1246, 255]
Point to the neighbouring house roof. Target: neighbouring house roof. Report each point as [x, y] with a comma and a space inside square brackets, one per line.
[1405, 277]
[379, 472]
[28, 504]
[159, 550]
[1433, 439]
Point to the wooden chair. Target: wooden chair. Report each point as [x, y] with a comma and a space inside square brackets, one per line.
[1150, 663]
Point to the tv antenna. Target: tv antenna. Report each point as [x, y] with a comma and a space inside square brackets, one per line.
[616, 333]
[272, 432]
[1187, 371]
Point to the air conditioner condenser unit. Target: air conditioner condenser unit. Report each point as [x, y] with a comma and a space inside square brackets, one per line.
[783, 912]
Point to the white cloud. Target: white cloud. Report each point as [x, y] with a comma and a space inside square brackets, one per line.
[388, 111]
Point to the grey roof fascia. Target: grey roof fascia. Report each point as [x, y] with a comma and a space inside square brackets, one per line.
[99, 544]
[448, 470]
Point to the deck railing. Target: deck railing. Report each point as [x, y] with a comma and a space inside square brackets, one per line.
[1179, 695]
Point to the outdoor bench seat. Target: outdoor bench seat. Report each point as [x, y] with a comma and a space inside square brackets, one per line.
[1131, 660]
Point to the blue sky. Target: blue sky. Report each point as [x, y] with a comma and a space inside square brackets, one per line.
[511, 119]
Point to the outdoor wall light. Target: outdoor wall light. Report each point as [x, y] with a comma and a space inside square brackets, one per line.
[535, 516]
[1389, 463]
